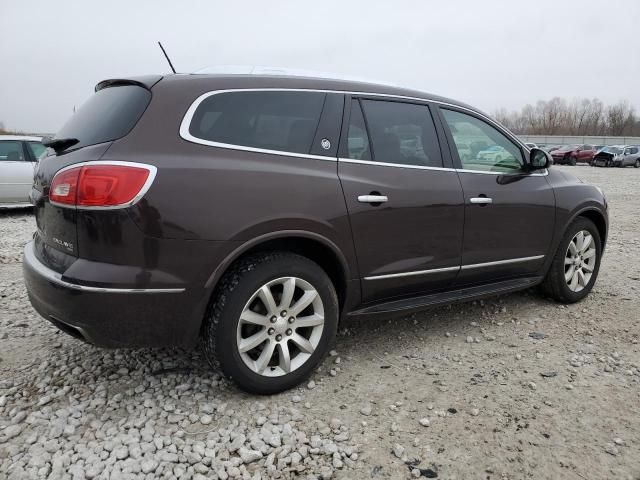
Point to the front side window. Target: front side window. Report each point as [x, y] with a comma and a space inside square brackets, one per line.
[270, 120]
[11, 151]
[481, 146]
[402, 133]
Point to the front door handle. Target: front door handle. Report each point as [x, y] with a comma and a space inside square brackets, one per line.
[481, 200]
[373, 199]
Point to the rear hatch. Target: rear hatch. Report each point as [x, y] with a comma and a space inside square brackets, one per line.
[109, 114]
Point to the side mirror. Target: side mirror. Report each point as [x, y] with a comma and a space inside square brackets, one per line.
[539, 159]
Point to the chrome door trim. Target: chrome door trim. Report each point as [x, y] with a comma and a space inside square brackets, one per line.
[411, 274]
[451, 269]
[502, 262]
[32, 262]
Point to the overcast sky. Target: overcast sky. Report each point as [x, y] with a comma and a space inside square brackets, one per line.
[489, 53]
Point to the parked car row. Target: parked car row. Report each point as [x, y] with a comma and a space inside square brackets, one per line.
[18, 157]
[618, 156]
[594, 155]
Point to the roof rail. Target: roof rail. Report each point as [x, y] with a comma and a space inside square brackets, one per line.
[282, 71]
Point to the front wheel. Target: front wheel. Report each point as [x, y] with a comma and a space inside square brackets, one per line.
[637, 163]
[576, 263]
[271, 321]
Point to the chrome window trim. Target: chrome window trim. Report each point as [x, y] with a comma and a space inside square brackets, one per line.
[395, 165]
[188, 117]
[153, 170]
[32, 262]
[458, 268]
[442, 169]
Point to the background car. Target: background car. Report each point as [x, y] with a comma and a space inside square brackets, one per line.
[494, 153]
[630, 157]
[531, 145]
[572, 154]
[18, 159]
[606, 156]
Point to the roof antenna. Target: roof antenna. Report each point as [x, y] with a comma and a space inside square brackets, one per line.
[167, 57]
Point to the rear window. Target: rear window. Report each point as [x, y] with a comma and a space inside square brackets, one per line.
[109, 114]
[281, 121]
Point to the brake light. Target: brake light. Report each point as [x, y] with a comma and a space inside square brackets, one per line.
[101, 184]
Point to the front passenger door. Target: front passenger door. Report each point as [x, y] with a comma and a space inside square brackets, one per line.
[509, 212]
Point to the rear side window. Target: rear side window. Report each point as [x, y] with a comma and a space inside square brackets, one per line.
[37, 149]
[109, 114]
[402, 133]
[11, 151]
[280, 121]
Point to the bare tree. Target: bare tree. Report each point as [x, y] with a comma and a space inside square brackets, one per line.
[581, 116]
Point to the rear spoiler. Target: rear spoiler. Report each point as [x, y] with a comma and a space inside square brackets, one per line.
[146, 81]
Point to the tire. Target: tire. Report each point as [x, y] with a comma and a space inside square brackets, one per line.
[239, 294]
[572, 161]
[637, 163]
[555, 283]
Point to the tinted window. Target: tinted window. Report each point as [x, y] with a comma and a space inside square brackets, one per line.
[36, 148]
[402, 133]
[481, 146]
[11, 151]
[109, 114]
[357, 138]
[283, 121]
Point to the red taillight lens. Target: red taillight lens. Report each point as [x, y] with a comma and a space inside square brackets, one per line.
[96, 185]
[64, 187]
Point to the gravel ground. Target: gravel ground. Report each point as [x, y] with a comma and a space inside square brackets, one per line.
[513, 387]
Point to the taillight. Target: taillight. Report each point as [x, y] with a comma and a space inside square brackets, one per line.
[101, 184]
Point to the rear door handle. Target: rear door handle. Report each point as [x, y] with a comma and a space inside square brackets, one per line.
[481, 200]
[373, 198]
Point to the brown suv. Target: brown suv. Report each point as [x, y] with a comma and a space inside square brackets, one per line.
[252, 213]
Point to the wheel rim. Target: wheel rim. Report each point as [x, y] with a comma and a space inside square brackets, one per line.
[580, 261]
[280, 326]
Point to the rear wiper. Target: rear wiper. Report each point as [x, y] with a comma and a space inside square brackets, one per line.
[59, 144]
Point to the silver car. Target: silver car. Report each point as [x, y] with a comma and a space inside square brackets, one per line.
[18, 161]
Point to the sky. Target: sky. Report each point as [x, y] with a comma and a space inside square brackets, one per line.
[490, 53]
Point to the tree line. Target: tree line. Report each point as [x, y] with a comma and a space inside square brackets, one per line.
[580, 116]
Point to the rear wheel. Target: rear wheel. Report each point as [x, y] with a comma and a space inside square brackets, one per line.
[271, 321]
[637, 163]
[576, 263]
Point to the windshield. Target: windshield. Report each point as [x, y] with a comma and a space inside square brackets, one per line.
[109, 114]
[615, 150]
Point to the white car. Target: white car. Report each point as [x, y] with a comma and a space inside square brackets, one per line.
[18, 161]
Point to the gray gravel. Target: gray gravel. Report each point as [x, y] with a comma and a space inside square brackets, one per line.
[512, 387]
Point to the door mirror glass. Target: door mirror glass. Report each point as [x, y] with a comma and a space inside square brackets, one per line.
[539, 159]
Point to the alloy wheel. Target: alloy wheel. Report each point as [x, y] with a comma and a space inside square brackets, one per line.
[280, 326]
[580, 261]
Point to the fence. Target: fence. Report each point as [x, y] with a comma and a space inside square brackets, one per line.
[578, 140]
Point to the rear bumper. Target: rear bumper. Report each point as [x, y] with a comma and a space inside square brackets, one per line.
[114, 317]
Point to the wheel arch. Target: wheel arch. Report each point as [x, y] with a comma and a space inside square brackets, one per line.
[597, 217]
[308, 244]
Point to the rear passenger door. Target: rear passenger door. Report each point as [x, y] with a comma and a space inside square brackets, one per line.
[405, 202]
